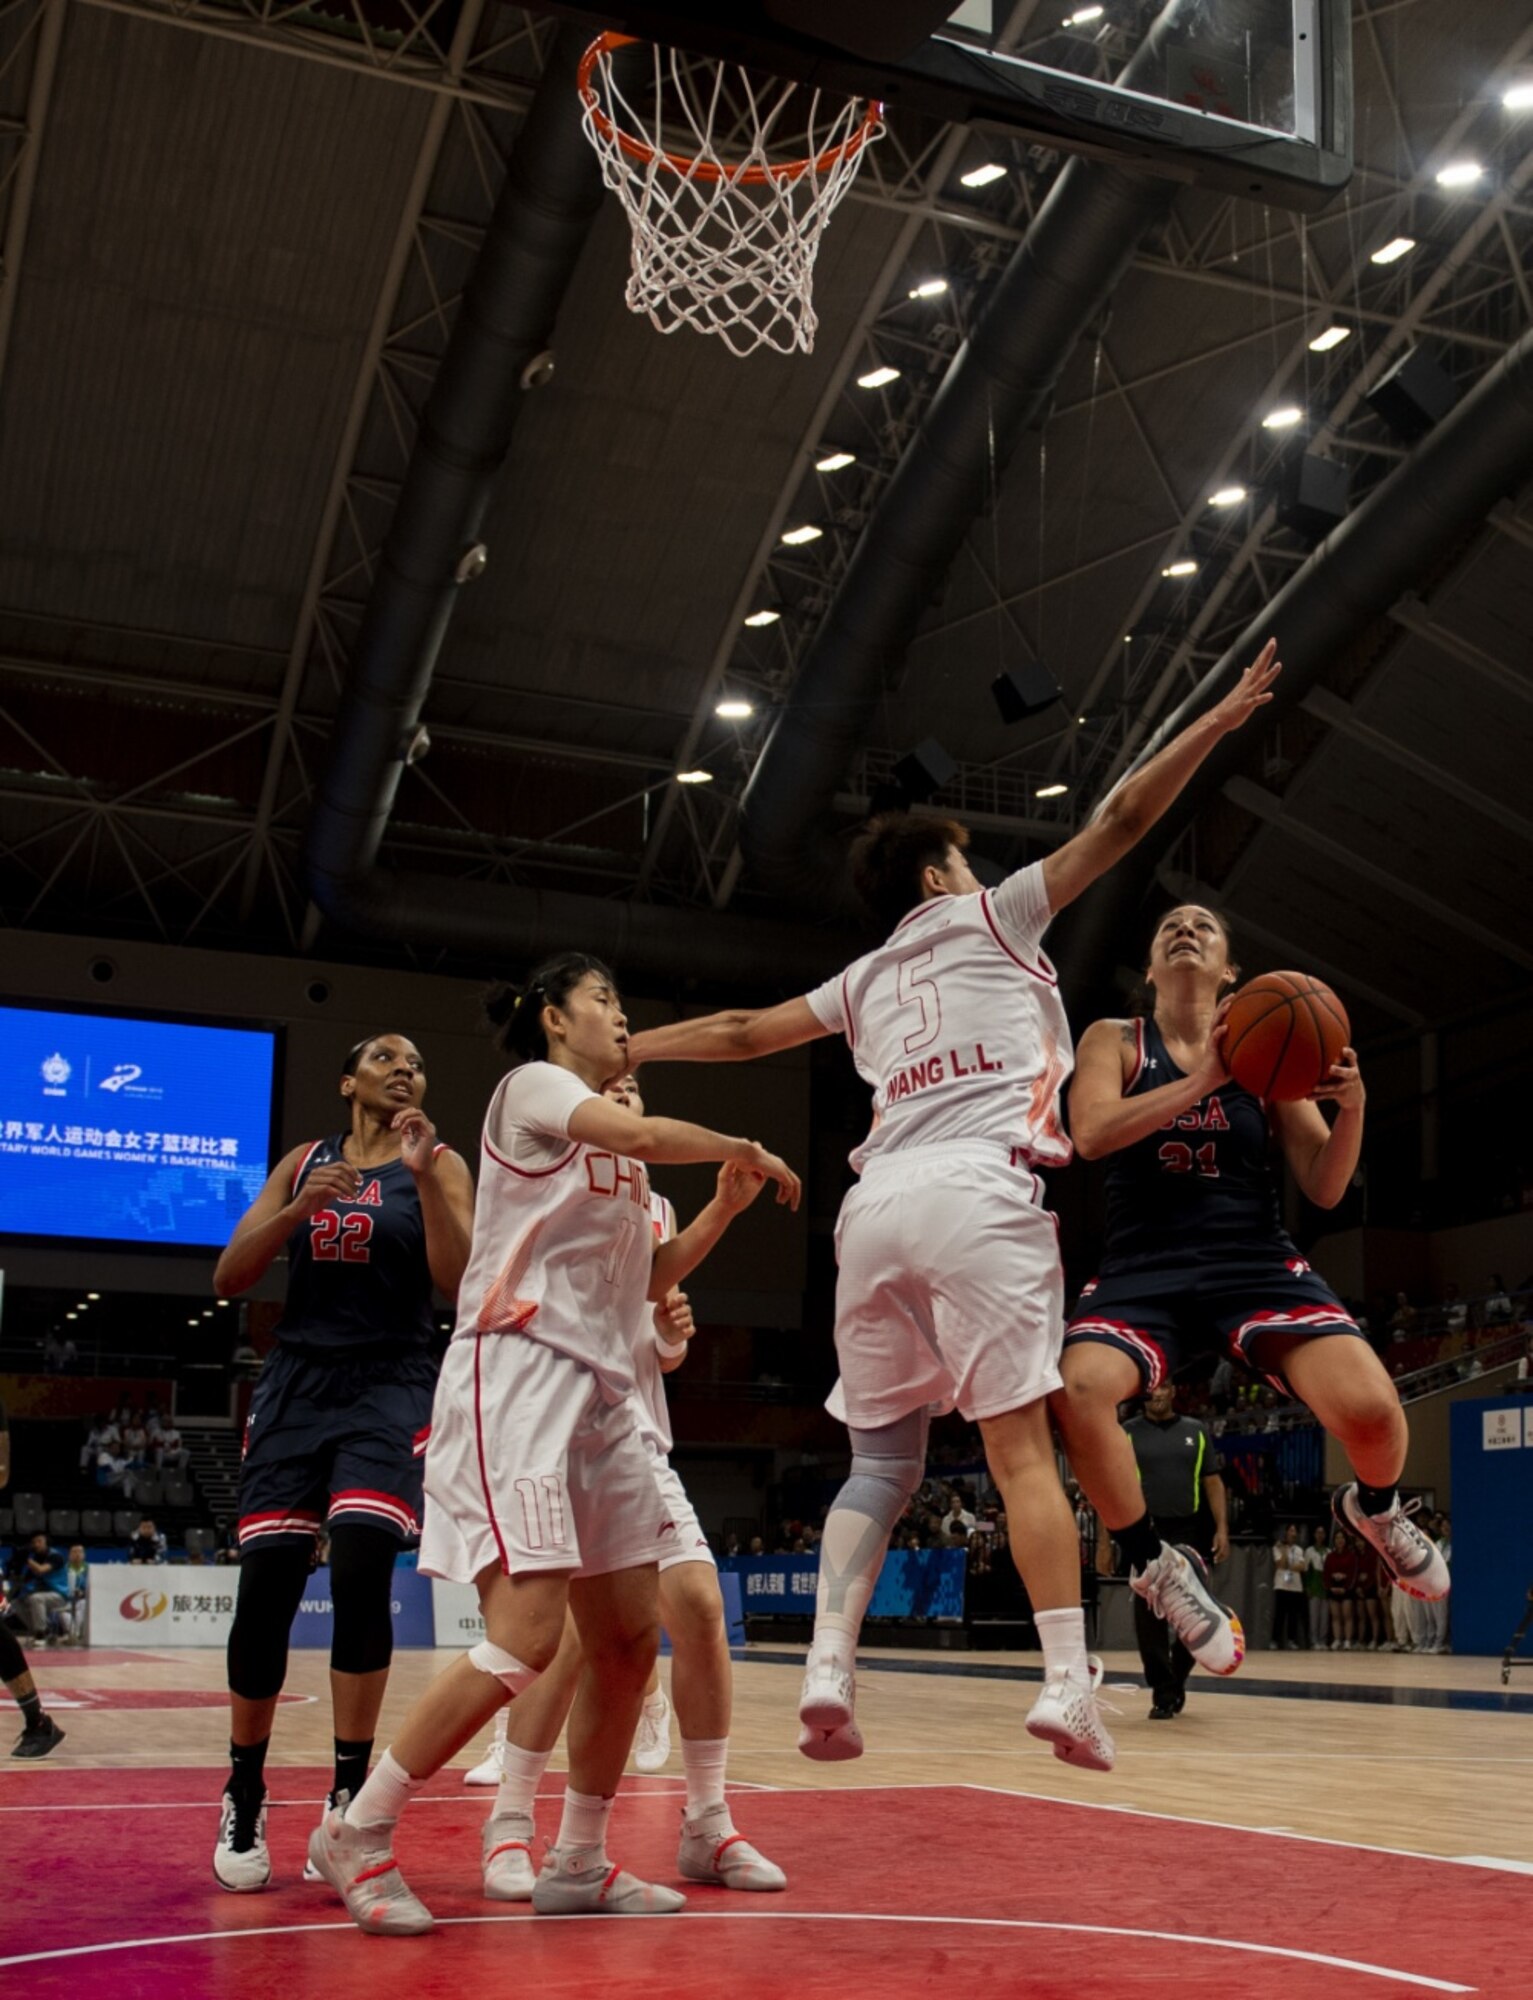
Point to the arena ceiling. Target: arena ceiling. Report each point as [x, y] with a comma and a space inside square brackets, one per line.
[232, 241]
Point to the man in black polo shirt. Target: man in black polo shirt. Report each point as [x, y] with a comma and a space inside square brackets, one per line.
[1183, 1489]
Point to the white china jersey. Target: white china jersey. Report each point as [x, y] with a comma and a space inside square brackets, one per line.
[957, 1023]
[563, 1240]
[649, 1403]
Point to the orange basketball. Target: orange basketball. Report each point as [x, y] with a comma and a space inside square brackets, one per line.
[1282, 1034]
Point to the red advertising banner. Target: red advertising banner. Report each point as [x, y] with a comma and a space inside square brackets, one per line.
[64, 1396]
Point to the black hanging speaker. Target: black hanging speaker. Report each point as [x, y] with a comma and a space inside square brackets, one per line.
[1413, 396]
[1024, 691]
[1313, 496]
[922, 772]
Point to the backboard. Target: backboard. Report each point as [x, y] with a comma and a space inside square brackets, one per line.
[1252, 97]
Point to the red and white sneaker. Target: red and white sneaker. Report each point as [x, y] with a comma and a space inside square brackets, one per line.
[1413, 1559]
[1065, 1714]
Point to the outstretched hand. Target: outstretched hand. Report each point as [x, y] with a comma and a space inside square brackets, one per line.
[1251, 692]
[738, 1187]
[759, 1161]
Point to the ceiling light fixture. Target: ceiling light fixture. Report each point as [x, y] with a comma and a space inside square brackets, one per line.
[1227, 496]
[93, 1296]
[1083, 16]
[1332, 337]
[992, 170]
[1283, 418]
[758, 619]
[930, 288]
[877, 378]
[796, 537]
[694, 777]
[1186, 567]
[734, 710]
[1392, 251]
[1050, 791]
[837, 461]
[1519, 97]
[1460, 174]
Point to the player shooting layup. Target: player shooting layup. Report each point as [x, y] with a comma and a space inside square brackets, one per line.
[949, 1291]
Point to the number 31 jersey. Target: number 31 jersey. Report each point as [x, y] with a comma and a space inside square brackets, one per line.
[957, 1023]
[357, 1274]
[1199, 1188]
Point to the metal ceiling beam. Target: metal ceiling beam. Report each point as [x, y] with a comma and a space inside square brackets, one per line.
[1188, 889]
[1268, 807]
[1342, 716]
[426, 159]
[1413, 615]
[49, 31]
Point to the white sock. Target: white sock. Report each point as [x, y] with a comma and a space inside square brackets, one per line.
[1062, 1635]
[583, 1827]
[385, 1794]
[521, 1772]
[703, 1763]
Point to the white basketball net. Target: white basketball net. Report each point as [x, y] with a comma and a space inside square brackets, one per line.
[726, 247]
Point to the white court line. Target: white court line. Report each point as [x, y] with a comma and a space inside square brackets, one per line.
[606, 1918]
[482, 1795]
[1223, 1825]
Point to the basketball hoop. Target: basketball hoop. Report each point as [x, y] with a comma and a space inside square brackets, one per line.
[725, 247]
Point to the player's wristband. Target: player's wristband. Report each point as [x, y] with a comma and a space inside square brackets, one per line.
[673, 1350]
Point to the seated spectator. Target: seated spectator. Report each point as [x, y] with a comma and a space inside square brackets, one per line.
[226, 1541]
[958, 1515]
[37, 1587]
[148, 1545]
[111, 1465]
[1402, 1321]
[757, 1547]
[135, 1442]
[1498, 1307]
[73, 1584]
[731, 1545]
[170, 1454]
[90, 1451]
[1455, 1311]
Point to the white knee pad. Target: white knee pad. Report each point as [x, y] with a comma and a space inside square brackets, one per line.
[502, 1666]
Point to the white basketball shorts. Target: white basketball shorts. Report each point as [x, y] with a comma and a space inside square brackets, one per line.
[530, 1468]
[691, 1542]
[950, 1292]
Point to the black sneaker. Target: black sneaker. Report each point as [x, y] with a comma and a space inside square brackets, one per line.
[1163, 1709]
[39, 1742]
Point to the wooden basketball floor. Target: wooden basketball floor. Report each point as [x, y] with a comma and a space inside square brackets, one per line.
[1334, 1824]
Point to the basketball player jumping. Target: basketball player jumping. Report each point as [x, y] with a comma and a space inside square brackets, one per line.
[691, 1611]
[949, 1292]
[1196, 1259]
[539, 1488]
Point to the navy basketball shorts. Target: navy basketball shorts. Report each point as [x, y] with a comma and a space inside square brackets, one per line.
[332, 1439]
[1168, 1318]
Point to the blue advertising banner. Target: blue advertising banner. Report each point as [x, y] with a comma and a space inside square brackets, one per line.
[914, 1583]
[411, 1607]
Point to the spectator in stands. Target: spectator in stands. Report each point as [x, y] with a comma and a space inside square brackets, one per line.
[1455, 1311]
[731, 1545]
[1222, 1386]
[110, 1462]
[170, 1454]
[226, 1541]
[1498, 1307]
[1340, 1570]
[958, 1515]
[1402, 1321]
[1290, 1628]
[90, 1451]
[73, 1584]
[148, 1545]
[1315, 1601]
[37, 1585]
[1370, 1609]
[135, 1442]
[758, 1546]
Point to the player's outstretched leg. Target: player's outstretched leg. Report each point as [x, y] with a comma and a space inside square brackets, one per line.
[1172, 1582]
[40, 1734]
[618, 1617]
[1019, 1450]
[712, 1849]
[887, 1465]
[1346, 1386]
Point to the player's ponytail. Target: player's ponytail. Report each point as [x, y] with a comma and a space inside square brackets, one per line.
[515, 1013]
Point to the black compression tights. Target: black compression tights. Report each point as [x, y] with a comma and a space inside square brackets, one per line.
[272, 1583]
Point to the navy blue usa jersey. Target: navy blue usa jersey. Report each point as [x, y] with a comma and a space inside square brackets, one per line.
[1200, 1185]
[357, 1270]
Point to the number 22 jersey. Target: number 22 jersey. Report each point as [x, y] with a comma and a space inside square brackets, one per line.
[956, 1022]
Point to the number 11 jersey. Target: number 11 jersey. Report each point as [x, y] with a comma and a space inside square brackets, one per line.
[956, 1022]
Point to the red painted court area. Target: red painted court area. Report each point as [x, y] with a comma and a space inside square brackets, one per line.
[898, 1891]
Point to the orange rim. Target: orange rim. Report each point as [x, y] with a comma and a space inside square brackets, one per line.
[705, 170]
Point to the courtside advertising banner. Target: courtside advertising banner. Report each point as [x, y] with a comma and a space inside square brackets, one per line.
[192, 1604]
